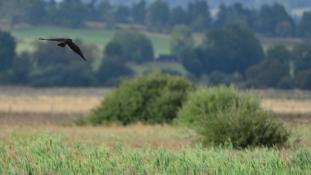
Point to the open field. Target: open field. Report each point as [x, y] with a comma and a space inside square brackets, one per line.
[66, 104]
[270, 42]
[38, 137]
[83, 104]
[282, 106]
[155, 66]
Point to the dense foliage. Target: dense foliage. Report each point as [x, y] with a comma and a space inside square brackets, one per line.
[181, 41]
[7, 51]
[230, 49]
[154, 98]
[61, 67]
[111, 71]
[270, 19]
[130, 46]
[229, 55]
[224, 116]
[50, 65]
[282, 68]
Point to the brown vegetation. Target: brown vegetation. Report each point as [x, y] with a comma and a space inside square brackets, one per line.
[132, 136]
[287, 106]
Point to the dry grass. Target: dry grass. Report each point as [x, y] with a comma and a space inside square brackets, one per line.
[49, 100]
[82, 104]
[82, 100]
[287, 106]
[21, 105]
[134, 136]
[28, 111]
[48, 104]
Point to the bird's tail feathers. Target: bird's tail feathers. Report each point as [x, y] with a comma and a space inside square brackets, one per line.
[61, 44]
[84, 59]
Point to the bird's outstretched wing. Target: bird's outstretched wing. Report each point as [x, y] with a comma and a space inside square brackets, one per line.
[54, 39]
[76, 49]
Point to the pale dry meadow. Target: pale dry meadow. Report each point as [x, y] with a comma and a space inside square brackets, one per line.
[32, 105]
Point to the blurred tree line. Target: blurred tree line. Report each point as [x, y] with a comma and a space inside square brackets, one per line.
[228, 55]
[269, 20]
[233, 55]
[50, 65]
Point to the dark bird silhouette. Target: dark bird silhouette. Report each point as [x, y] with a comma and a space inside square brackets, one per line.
[67, 41]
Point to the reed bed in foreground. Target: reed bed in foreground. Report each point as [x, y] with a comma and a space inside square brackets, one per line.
[48, 154]
[141, 149]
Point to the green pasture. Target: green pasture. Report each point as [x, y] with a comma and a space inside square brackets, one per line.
[172, 67]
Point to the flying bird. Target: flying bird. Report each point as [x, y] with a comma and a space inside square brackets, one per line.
[67, 41]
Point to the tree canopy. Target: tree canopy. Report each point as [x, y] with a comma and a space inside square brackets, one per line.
[304, 28]
[7, 50]
[181, 40]
[132, 46]
[232, 49]
[271, 19]
[158, 15]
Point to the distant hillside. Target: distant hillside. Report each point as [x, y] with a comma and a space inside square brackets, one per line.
[171, 2]
[249, 3]
[257, 3]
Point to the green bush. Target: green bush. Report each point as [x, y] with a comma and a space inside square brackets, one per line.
[224, 116]
[154, 98]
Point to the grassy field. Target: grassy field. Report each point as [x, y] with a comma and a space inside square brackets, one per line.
[270, 42]
[38, 136]
[156, 66]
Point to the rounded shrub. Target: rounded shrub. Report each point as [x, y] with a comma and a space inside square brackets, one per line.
[154, 98]
[222, 116]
